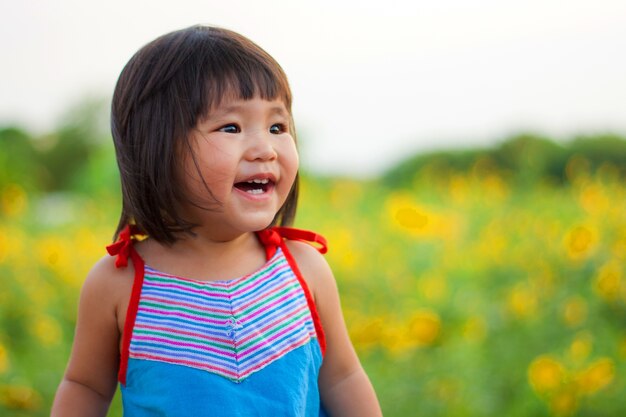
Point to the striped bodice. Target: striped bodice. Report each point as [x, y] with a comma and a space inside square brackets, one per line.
[247, 347]
[231, 328]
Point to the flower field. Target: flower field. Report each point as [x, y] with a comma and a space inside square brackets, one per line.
[465, 294]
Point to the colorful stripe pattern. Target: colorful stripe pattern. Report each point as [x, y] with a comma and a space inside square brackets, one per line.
[232, 328]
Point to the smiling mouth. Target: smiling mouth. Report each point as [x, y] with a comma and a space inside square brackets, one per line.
[256, 186]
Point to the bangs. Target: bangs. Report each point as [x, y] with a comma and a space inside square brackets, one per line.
[237, 68]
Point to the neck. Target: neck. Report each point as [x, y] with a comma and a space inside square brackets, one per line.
[206, 255]
[209, 241]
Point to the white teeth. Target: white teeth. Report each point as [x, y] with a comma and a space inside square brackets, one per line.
[255, 191]
[259, 181]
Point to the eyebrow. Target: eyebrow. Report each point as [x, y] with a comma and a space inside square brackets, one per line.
[280, 110]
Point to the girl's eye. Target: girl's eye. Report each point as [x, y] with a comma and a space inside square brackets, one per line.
[232, 128]
[278, 128]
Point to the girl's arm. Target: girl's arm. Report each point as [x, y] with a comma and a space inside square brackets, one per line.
[345, 388]
[90, 379]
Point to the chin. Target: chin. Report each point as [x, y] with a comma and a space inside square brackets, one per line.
[253, 225]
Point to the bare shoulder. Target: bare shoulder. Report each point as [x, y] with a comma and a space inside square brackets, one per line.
[313, 266]
[105, 275]
[107, 285]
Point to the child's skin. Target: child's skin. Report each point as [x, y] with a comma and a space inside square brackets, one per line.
[240, 140]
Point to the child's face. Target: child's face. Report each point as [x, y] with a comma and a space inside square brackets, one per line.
[248, 159]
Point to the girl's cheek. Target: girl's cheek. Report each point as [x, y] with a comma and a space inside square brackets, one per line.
[296, 160]
[294, 165]
[292, 156]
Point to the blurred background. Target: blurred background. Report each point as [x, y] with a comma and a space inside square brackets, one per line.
[465, 160]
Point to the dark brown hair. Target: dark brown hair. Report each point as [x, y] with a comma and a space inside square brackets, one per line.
[163, 91]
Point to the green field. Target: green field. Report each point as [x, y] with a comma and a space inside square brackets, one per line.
[467, 292]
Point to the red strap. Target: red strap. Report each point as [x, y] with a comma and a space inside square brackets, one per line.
[272, 239]
[124, 249]
[319, 330]
[303, 235]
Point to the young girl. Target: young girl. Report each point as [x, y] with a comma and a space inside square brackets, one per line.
[206, 308]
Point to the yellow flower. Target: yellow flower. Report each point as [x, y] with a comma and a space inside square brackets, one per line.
[343, 249]
[593, 199]
[367, 332]
[86, 245]
[50, 251]
[405, 213]
[608, 281]
[459, 189]
[19, 397]
[11, 244]
[597, 376]
[495, 188]
[4, 359]
[13, 200]
[411, 218]
[580, 242]
[575, 311]
[396, 339]
[564, 403]
[546, 374]
[424, 327]
[522, 301]
[619, 246]
[47, 330]
[4, 245]
[580, 349]
[420, 221]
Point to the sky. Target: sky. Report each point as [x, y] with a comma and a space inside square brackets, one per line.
[373, 81]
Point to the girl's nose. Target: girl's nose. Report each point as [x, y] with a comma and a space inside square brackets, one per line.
[261, 148]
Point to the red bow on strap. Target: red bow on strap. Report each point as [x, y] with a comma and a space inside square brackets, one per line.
[303, 235]
[122, 248]
[270, 237]
[273, 237]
